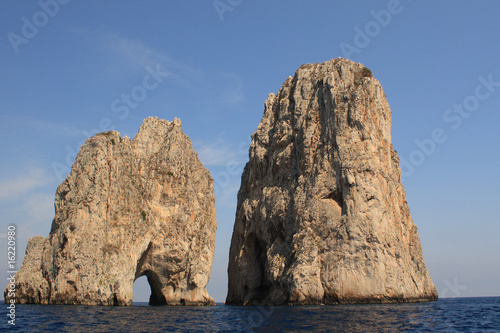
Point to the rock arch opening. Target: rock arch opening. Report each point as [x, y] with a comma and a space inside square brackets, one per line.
[141, 290]
[156, 297]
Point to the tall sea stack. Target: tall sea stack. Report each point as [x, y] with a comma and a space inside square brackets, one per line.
[129, 208]
[322, 216]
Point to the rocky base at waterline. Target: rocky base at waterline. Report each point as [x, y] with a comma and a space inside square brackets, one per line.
[128, 208]
[322, 216]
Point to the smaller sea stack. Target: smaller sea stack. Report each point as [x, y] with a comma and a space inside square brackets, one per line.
[129, 208]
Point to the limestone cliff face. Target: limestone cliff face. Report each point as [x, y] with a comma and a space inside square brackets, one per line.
[322, 215]
[128, 208]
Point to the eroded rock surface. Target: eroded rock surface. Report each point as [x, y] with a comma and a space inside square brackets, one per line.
[322, 215]
[128, 208]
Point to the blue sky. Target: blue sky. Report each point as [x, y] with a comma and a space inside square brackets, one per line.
[70, 69]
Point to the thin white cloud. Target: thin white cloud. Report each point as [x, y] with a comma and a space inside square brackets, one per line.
[228, 194]
[235, 93]
[134, 51]
[53, 127]
[17, 187]
[42, 126]
[39, 206]
[139, 54]
[221, 153]
[226, 162]
[216, 154]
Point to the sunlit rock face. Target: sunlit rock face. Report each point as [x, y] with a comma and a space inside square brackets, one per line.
[322, 216]
[128, 208]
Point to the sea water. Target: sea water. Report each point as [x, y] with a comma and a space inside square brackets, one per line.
[449, 315]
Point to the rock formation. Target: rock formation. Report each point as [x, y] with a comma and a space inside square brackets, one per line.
[322, 216]
[128, 208]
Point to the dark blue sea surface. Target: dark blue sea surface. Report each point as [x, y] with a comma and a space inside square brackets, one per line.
[449, 315]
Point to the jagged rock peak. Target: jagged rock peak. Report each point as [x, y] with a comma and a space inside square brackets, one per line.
[322, 216]
[129, 208]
